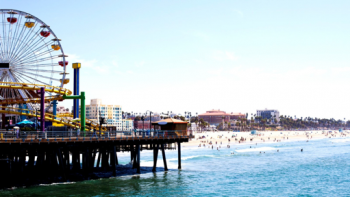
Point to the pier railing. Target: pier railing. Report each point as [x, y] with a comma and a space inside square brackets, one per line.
[88, 136]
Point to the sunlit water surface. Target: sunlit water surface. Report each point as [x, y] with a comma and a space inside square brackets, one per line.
[323, 169]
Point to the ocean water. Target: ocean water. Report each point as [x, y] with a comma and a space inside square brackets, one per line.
[323, 169]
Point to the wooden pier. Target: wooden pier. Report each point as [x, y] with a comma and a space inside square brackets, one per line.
[71, 159]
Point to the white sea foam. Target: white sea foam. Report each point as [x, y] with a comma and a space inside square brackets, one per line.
[63, 183]
[340, 140]
[256, 149]
[171, 165]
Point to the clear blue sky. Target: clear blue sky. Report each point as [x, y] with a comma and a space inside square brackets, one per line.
[236, 56]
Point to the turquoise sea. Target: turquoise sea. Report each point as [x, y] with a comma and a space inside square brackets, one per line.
[323, 169]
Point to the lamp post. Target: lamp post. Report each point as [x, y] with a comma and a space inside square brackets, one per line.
[143, 121]
[101, 120]
[122, 120]
[197, 120]
[150, 119]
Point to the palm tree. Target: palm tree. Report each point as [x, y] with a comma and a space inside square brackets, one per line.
[223, 123]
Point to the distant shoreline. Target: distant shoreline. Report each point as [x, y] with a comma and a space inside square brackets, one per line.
[264, 137]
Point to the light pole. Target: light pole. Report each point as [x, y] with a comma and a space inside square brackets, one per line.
[143, 121]
[197, 120]
[102, 120]
[150, 120]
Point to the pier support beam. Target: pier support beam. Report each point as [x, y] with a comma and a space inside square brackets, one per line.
[179, 154]
[164, 159]
[98, 158]
[113, 162]
[138, 159]
[155, 157]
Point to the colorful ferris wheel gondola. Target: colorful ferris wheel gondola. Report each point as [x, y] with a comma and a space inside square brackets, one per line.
[12, 19]
[29, 23]
[44, 32]
[55, 46]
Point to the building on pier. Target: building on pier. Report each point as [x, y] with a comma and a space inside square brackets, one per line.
[171, 124]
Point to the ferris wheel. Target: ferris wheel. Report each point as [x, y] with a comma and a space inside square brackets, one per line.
[30, 55]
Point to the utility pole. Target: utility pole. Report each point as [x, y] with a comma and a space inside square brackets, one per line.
[150, 120]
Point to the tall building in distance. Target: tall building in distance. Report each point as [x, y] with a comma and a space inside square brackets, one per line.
[111, 113]
[214, 117]
[268, 114]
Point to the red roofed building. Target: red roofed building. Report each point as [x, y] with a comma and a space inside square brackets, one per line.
[214, 117]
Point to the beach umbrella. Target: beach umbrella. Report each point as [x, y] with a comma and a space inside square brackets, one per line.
[25, 121]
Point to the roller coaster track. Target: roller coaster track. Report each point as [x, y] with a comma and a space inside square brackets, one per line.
[32, 87]
[36, 99]
[50, 117]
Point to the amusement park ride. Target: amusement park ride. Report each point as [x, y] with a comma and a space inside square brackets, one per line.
[32, 62]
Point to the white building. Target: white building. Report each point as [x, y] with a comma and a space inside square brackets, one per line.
[269, 114]
[111, 113]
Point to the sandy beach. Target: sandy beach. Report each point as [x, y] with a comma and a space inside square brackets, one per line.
[225, 139]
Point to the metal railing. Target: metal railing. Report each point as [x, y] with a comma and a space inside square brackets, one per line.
[87, 136]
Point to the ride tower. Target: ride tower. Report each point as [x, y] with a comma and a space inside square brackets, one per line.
[76, 91]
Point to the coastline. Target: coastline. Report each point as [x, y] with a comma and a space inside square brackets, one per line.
[220, 139]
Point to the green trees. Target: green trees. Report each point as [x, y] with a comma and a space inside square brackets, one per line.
[223, 123]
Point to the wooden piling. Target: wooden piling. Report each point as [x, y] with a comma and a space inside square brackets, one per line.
[179, 154]
[155, 157]
[164, 158]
